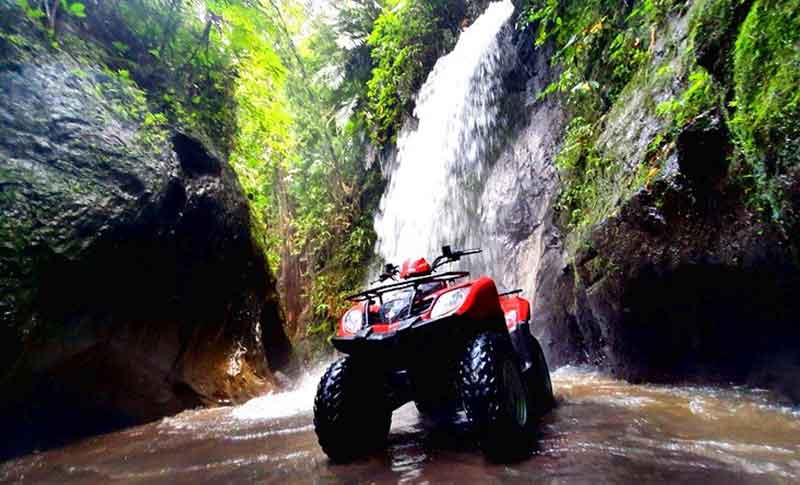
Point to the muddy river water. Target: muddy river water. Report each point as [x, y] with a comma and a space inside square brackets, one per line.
[603, 431]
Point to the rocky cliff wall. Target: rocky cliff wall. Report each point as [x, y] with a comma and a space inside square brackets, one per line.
[132, 287]
[676, 274]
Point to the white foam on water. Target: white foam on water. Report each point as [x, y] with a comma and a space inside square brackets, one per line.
[299, 400]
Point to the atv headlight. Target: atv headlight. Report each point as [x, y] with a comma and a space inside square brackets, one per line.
[352, 321]
[449, 302]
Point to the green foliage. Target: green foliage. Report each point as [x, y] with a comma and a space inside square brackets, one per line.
[593, 183]
[34, 13]
[579, 164]
[48, 10]
[194, 61]
[76, 9]
[174, 50]
[344, 274]
[767, 101]
[599, 46]
[300, 153]
[701, 95]
[713, 30]
[121, 47]
[600, 49]
[406, 40]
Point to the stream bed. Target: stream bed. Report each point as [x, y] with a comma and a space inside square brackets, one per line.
[603, 430]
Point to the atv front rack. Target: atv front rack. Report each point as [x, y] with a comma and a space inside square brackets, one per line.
[376, 292]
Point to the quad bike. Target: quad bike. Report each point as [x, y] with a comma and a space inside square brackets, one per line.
[446, 343]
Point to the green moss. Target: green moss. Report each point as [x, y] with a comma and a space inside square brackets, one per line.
[701, 94]
[590, 179]
[600, 46]
[747, 52]
[606, 57]
[767, 102]
[713, 28]
[578, 162]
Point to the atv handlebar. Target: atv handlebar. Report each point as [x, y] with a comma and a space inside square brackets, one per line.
[449, 256]
[389, 271]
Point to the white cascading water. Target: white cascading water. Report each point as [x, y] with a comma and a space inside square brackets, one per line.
[436, 178]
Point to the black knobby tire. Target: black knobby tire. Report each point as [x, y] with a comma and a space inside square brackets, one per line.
[351, 413]
[494, 396]
[537, 382]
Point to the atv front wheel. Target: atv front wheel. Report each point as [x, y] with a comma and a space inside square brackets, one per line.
[351, 412]
[495, 396]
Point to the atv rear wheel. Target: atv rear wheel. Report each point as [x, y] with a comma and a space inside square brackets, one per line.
[495, 397]
[537, 382]
[351, 413]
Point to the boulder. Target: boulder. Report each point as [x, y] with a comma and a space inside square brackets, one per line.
[131, 285]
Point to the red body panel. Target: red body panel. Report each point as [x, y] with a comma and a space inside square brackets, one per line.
[411, 268]
[514, 303]
[385, 327]
[482, 302]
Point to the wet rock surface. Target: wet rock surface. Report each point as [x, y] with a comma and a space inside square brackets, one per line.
[131, 284]
[681, 280]
[685, 283]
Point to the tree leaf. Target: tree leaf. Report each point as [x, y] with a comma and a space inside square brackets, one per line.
[77, 9]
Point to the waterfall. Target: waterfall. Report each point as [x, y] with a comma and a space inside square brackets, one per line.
[435, 182]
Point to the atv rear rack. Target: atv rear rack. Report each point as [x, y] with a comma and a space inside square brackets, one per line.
[376, 292]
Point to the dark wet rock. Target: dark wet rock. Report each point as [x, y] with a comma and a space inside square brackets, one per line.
[685, 282]
[704, 150]
[131, 284]
[474, 8]
[710, 295]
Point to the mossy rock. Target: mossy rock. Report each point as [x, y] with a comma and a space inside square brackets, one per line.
[130, 284]
[714, 29]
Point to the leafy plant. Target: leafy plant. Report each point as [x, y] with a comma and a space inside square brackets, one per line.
[34, 13]
[76, 9]
[599, 46]
[120, 46]
[766, 73]
[406, 40]
[49, 9]
[580, 165]
[700, 96]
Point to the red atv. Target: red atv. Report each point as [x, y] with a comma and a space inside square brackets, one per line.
[446, 343]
